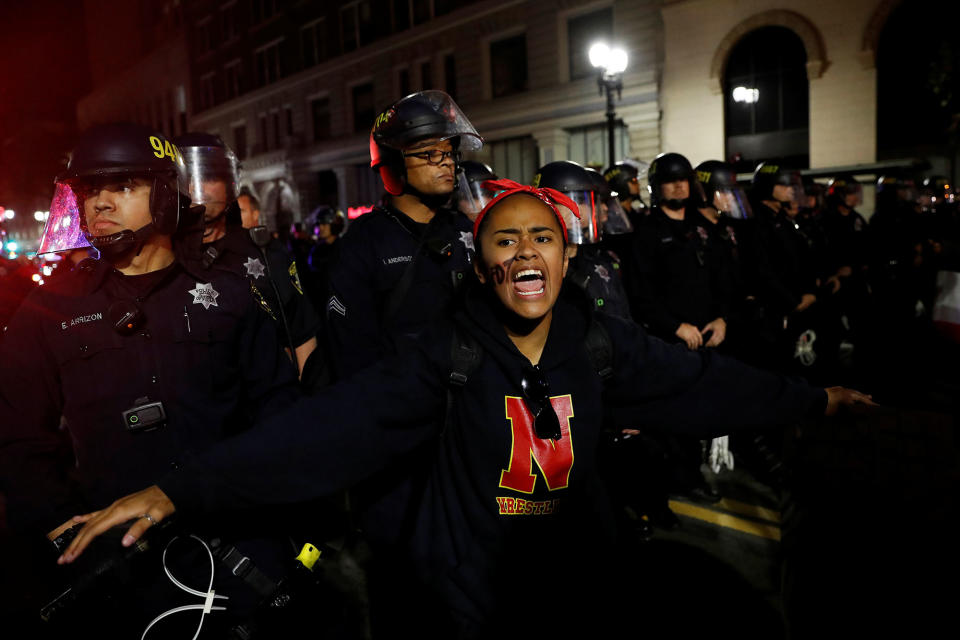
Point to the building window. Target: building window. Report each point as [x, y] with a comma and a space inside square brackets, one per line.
[262, 10]
[267, 60]
[288, 119]
[363, 107]
[450, 75]
[357, 26]
[320, 116]
[588, 145]
[403, 82]
[275, 129]
[401, 15]
[426, 75]
[515, 157]
[240, 141]
[262, 133]
[207, 94]
[583, 31]
[229, 20]
[205, 36]
[231, 72]
[421, 11]
[766, 95]
[508, 66]
[313, 43]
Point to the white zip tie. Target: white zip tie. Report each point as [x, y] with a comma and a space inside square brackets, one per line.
[208, 597]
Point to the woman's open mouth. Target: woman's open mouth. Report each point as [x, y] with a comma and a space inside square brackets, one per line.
[529, 283]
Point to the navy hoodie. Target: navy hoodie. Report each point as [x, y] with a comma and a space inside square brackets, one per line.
[496, 499]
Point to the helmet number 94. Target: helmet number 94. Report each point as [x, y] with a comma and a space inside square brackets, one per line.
[164, 148]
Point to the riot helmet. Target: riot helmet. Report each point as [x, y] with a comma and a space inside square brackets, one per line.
[471, 195]
[620, 176]
[612, 218]
[116, 158]
[667, 168]
[425, 115]
[572, 180]
[768, 176]
[844, 190]
[212, 172]
[325, 215]
[893, 190]
[718, 181]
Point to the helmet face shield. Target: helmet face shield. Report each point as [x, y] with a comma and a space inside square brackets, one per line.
[211, 177]
[613, 219]
[732, 202]
[471, 196]
[586, 230]
[64, 229]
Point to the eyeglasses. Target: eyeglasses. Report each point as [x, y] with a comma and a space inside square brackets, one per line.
[434, 156]
[536, 391]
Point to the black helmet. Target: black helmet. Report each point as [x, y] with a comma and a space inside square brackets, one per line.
[471, 196]
[842, 186]
[768, 175]
[107, 153]
[419, 116]
[718, 181]
[619, 177]
[671, 167]
[575, 182]
[325, 214]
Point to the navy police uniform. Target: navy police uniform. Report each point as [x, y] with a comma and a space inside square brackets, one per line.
[374, 255]
[681, 274]
[237, 252]
[203, 348]
[499, 526]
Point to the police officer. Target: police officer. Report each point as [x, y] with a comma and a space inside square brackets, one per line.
[682, 287]
[147, 357]
[624, 179]
[593, 268]
[471, 196]
[400, 264]
[213, 179]
[726, 205]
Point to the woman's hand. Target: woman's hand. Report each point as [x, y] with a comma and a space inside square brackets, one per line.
[147, 507]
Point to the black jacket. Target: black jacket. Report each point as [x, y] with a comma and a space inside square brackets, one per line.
[681, 274]
[205, 350]
[494, 496]
[374, 254]
[237, 253]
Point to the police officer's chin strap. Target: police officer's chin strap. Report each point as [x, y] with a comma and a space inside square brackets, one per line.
[675, 204]
[116, 245]
[431, 201]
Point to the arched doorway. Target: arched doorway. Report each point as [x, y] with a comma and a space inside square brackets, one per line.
[918, 85]
[766, 100]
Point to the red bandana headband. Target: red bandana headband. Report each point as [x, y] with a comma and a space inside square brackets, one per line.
[550, 197]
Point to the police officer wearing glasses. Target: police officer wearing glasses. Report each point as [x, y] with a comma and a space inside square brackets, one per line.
[400, 264]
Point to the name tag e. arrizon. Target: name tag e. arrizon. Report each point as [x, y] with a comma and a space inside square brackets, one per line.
[81, 319]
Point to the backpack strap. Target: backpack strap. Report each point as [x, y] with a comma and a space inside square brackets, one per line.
[599, 349]
[465, 357]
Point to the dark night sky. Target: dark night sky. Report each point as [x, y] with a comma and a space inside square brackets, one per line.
[43, 71]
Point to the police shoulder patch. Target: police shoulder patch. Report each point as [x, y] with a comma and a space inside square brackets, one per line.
[295, 277]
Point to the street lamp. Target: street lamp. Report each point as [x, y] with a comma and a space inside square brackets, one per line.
[610, 64]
